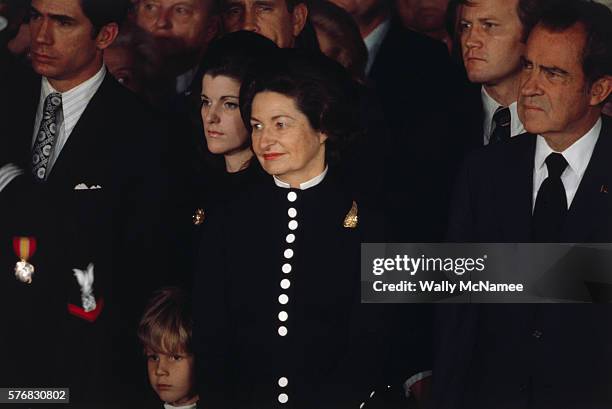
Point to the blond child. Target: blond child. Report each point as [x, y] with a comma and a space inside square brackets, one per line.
[165, 332]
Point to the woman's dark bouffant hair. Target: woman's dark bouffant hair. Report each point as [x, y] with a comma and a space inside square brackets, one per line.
[321, 88]
[230, 56]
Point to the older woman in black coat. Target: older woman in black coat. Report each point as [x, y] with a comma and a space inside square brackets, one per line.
[279, 321]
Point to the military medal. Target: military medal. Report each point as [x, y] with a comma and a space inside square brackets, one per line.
[85, 279]
[91, 308]
[24, 248]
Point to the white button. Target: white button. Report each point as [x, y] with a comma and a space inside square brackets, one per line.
[293, 224]
[292, 213]
[286, 268]
[372, 394]
[362, 405]
[288, 253]
[282, 382]
[283, 398]
[283, 299]
[282, 316]
[282, 331]
[285, 283]
[291, 196]
[290, 238]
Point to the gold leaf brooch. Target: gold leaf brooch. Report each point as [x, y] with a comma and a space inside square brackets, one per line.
[198, 217]
[352, 219]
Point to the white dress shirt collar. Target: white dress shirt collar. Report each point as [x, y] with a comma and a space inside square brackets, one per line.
[74, 102]
[183, 81]
[374, 40]
[489, 106]
[303, 186]
[87, 85]
[578, 156]
[191, 406]
[76, 99]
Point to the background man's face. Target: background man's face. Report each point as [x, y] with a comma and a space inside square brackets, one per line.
[491, 34]
[63, 47]
[270, 18]
[554, 95]
[123, 65]
[184, 22]
[422, 15]
[358, 8]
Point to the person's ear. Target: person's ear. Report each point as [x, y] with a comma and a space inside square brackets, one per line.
[322, 137]
[107, 35]
[299, 17]
[600, 90]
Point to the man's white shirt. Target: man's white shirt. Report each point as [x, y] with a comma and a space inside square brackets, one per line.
[74, 103]
[577, 156]
[374, 40]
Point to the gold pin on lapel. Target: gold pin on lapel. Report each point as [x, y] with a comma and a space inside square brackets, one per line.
[198, 217]
[604, 189]
[352, 219]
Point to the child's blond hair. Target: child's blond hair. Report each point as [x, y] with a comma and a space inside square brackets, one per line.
[167, 323]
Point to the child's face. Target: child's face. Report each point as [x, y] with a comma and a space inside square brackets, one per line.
[171, 376]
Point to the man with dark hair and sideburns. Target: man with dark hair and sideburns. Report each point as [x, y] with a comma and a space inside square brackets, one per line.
[82, 186]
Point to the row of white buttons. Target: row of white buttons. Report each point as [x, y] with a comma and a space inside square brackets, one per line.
[285, 284]
[283, 382]
[288, 254]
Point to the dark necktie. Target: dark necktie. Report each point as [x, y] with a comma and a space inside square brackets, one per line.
[501, 119]
[46, 136]
[551, 202]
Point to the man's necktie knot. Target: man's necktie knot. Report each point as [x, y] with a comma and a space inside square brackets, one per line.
[501, 120]
[556, 164]
[501, 117]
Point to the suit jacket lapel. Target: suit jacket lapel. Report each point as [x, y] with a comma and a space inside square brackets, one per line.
[85, 135]
[589, 205]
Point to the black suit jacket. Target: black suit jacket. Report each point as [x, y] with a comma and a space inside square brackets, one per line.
[521, 355]
[493, 196]
[117, 145]
[415, 82]
[469, 119]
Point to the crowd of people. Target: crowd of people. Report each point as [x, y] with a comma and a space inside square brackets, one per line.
[185, 186]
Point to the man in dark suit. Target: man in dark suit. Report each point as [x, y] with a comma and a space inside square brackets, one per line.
[549, 185]
[83, 178]
[493, 35]
[414, 81]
